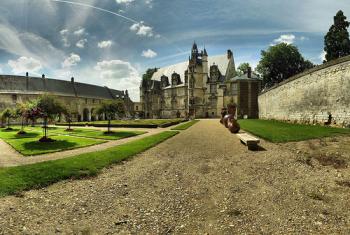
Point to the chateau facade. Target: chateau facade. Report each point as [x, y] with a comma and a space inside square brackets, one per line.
[200, 88]
[80, 97]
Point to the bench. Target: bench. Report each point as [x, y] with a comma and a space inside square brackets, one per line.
[249, 140]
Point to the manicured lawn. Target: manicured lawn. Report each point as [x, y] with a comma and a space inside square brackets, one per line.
[141, 121]
[31, 146]
[97, 134]
[276, 131]
[186, 125]
[17, 179]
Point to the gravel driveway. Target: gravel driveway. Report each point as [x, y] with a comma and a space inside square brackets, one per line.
[202, 181]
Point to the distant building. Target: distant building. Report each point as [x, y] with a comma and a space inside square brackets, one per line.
[200, 88]
[81, 97]
[138, 110]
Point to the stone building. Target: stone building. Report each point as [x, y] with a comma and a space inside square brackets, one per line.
[84, 98]
[200, 88]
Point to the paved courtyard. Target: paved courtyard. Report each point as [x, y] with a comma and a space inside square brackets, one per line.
[202, 181]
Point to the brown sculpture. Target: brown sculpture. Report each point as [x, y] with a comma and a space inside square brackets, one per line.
[228, 118]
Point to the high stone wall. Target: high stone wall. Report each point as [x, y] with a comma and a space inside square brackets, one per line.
[311, 97]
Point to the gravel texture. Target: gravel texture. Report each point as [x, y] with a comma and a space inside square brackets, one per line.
[202, 181]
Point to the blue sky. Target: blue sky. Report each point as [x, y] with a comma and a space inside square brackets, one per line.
[73, 38]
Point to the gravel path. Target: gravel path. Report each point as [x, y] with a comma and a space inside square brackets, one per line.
[202, 181]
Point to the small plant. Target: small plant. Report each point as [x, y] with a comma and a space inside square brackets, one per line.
[7, 114]
[110, 109]
[69, 113]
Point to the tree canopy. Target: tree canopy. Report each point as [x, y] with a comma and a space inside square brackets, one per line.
[149, 73]
[110, 109]
[337, 43]
[242, 68]
[280, 62]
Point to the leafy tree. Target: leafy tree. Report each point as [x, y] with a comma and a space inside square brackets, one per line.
[48, 108]
[110, 109]
[149, 73]
[7, 114]
[280, 62]
[337, 43]
[69, 113]
[21, 111]
[242, 68]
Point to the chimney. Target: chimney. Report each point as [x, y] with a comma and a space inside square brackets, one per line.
[249, 72]
[27, 74]
[229, 54]
[72, 79]
[43, 76]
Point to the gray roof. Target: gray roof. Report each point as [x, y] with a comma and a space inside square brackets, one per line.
[180, 68]
[35, 85]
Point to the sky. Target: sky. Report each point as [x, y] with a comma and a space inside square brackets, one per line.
[112, 42]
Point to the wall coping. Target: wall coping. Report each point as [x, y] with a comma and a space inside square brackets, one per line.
[309, 71]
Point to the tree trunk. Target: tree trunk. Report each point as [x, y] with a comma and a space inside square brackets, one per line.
[109, 125]
[22, 128]
[8, 123]
[45, 128]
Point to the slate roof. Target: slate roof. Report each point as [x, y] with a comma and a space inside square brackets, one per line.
[35, 85]
[180, 68]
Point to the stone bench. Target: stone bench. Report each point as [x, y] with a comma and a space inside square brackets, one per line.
[249, 140]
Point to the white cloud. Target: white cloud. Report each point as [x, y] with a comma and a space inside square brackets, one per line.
[285, 38]
[141, 29]
[120, 75]
[64, 35]
[303, 38]
[149, 53]
[70, 61]
[79, 32]
[124, 1]
[149, 3]
[81, 43]
[25, 64]
[105, 44]
[322, 56]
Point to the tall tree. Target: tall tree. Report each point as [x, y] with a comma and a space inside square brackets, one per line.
[21, 111]
[280, 62]
[242, 68]
[149, 73]
[110, 109]
[337, 43]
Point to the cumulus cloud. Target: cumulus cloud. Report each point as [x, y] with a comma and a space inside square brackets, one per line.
[142, 29]
[285, 38]
[79, 32]
[149, 53]
[64, 35]
[70, 61]
[124, 1]
[105, 44]
[25, 64]
[81, 43]
[322, 56]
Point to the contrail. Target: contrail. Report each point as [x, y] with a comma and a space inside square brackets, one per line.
[96, 8]
[109, 12]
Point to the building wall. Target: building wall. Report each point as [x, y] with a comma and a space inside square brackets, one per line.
[311, 97]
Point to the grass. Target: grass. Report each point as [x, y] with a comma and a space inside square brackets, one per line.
[16, 179]
[185, 126]
[96, 134]
[28, 144]
[279, 132]
[31, 146]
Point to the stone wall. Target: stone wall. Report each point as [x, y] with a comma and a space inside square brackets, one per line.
[318, 95]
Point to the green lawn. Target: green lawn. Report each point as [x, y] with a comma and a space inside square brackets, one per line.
[17, 179]
[276, 131]
[185, 125]
[31, 146]
[97, 134]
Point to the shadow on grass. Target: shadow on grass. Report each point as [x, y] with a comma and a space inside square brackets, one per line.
[27, 135]
[38, 147]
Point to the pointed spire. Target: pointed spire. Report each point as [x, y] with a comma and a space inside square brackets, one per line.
[194, 47]
[205, 52]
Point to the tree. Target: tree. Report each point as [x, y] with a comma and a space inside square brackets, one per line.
[48, 108]
[280, 62]
[69, 113]
[110, 109]
[149, 73]
[7, 114]
[337, 43]
[21, 111]
[242, 68]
